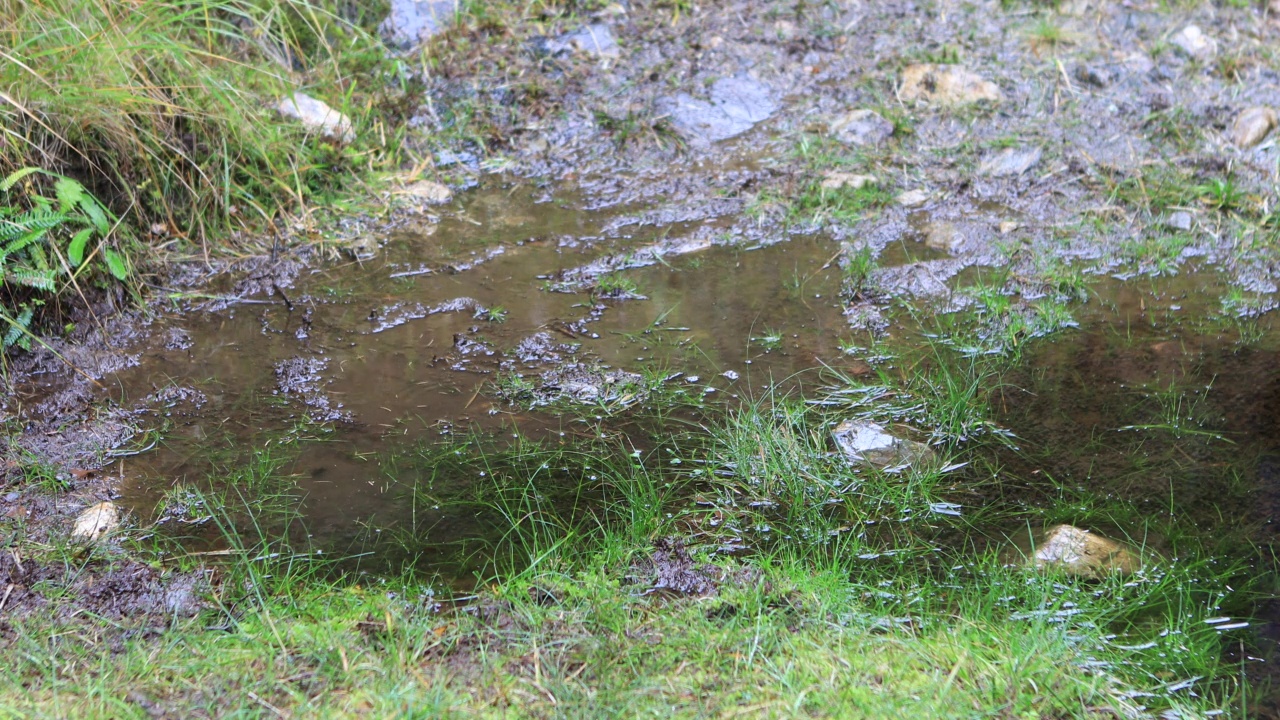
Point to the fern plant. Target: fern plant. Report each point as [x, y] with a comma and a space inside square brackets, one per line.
[46, 245]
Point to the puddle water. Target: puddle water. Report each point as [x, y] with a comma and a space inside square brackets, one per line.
[1154, 403]
[412, 346]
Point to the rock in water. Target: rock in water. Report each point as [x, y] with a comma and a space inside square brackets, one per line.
[432, 193]
[315, 115]
[1010, 162]
[1192, 41]
[861, 127]
[735, 106]
[866, 442]
[946, 85]
[1083, 553]
[95, 522]
[1252, 125]
[412, 22]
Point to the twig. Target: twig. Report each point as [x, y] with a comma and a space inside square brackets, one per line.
[5, 599]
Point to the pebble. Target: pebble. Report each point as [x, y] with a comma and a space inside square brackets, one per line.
[1010, 162]
[912, 198]
[1180, 220]
[95, 522]
[1192, 41]
[838, 180]
[595, 40]
[412, 22]
[943, 236]
[317, 116]
[429, 192]
[946, 85]
[734, 106]
[861, 127]
[1252, 125]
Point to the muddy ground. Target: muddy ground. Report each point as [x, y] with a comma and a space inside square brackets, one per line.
[1093, 139]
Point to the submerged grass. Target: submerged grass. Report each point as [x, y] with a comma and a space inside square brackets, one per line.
[821, 588]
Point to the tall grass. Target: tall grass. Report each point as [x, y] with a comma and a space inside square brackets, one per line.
[163, 109]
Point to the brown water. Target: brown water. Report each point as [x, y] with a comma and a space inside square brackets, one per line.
[377, 351]
[1157, 402]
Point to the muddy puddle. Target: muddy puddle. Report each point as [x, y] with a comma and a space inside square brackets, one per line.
[521, 315]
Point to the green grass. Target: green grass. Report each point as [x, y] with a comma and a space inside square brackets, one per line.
[164, 110]
[838, 609]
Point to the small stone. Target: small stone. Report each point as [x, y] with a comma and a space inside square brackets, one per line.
[734, 106]
[912, 198]
[1008, 226]
[1091, 75]
[866, 442]
[412, 22]
[943, 236]
[12, 497]
[946, 85]
[96, 522]
[1252, 125]
[1083, 553]
[315, 115]
[595, 40]
[428, 192]
[838, 180]
[1192, 41]
[1180, 220]
[1010, 162]
[861, 127]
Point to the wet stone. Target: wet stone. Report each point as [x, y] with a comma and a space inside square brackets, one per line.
[594, 40]
[866, 442]
[428, 192]
[1252, 126]
[1192, 41]
[1082, 553]
[95, 522]
[412, 22]
[735, 105]
[1010, 162]
[1094, 75]
[946, 85]
[943, 235]
[912, 198]
[839, 180]
[1180, 220]
[316, 116]
[861, 127]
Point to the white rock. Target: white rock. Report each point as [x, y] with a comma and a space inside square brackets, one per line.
[316, 116]
[946, 85]
[912, 198]
[1252, 125]
[861, 127]
[1082, 553]
[1192, 41]
[1010, 162]
[838, 180]
[95, 522]
[867, 442]
[1179, 220]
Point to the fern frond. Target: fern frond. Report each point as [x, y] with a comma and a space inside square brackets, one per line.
[33, 278]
